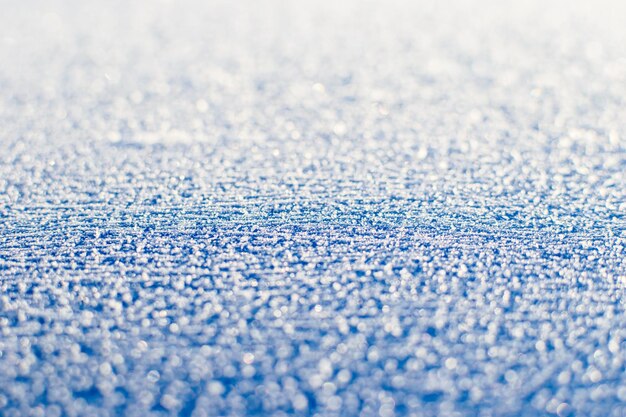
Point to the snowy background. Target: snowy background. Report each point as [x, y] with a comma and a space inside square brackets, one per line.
[317, 208]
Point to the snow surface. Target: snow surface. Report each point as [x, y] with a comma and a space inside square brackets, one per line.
[319, 208]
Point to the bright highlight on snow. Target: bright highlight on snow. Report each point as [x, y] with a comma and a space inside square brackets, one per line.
[335, 208]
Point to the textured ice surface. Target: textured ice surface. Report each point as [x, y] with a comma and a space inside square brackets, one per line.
[331, 208]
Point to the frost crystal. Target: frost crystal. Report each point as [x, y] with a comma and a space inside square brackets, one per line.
[330, 208]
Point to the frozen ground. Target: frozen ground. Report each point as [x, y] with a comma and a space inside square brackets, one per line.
[332, 208]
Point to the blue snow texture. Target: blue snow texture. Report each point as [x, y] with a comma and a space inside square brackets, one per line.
[316, 208]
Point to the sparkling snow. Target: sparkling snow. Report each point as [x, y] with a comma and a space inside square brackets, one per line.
[322, 208]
